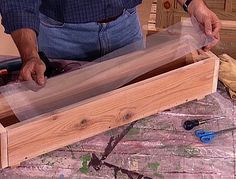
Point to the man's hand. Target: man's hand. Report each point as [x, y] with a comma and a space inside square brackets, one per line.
[207, 18]
[33, 69]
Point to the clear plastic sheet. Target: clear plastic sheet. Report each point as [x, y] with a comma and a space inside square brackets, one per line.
[27, 100]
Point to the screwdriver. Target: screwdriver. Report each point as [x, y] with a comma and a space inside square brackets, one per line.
[190, 124]
[206, 137]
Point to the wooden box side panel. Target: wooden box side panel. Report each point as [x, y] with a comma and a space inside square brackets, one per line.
[111, 110]
[3, 147]
[216, 70]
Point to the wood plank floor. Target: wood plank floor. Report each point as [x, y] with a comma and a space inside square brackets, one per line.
[155, 147]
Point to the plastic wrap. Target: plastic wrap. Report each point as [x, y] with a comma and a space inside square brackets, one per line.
[27, 100]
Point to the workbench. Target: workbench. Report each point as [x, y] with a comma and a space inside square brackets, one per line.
[156, 147]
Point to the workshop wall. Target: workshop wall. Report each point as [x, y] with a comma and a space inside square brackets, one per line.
[7, 46]
[169, 12]
[144, 14]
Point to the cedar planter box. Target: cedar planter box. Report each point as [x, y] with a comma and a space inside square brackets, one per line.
[172, 83]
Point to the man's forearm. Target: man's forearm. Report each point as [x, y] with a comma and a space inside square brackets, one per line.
[33, 68]
[192, 5]
[26, 42]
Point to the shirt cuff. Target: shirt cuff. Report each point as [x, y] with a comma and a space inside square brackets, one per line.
[15, 21]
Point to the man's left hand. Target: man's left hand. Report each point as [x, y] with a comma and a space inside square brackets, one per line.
[208, 19]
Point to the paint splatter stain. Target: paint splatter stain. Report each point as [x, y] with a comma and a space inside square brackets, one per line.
[165, 126]
[69, 148]
[85, 159]
[133, 131]
[178, 167]
[154, 167]
[159, 175]
[187, 151]
[61, 176]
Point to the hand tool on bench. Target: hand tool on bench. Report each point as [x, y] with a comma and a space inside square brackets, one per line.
[190, 124]
[206, 137]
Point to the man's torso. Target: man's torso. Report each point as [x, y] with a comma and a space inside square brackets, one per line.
[83, 11]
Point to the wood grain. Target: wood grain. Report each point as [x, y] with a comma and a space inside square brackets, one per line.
[216, 71]
[7, 117]
[144, 14]
[4, 108]
[165, 9]
[229, 25]
[113, 109]
[3, 147]
[228, 5]
[181, 62]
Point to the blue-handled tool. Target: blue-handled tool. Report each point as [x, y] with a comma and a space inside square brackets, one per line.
[207, 136]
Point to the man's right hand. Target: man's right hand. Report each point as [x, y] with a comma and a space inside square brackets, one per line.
[33, 69]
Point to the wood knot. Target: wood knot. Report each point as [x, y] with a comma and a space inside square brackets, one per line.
[54, 118]
[83, 123]
[128, 116]
[167, 5]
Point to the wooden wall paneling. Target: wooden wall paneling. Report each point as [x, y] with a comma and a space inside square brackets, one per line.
[227, 43]
[216, 4]
[228, 5]
[165, 9]
[223, 15]
[225, 10]
[144, 14]
[234, 6]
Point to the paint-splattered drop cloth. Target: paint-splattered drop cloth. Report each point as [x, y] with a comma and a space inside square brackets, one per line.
[227, 74]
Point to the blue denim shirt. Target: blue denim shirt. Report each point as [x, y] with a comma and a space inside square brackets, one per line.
[18, 14]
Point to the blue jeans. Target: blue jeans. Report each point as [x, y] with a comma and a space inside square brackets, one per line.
[88, 41]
